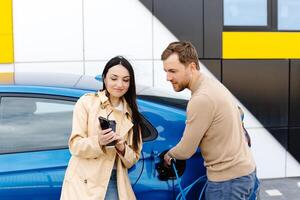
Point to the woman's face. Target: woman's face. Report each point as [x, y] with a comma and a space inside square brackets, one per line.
[117, 81]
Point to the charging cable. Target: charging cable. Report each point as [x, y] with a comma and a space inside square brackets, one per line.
[178, 179]
[183, 192]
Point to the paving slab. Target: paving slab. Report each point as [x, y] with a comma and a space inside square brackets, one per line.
[280, 189]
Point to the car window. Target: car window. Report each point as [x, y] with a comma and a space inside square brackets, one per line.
[28, 124]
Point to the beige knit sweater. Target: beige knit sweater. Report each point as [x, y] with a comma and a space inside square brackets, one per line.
[214, 125]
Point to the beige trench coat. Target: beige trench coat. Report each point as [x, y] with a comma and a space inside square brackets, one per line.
[89, 169]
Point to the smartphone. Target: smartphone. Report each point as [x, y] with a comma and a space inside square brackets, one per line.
[105, 124]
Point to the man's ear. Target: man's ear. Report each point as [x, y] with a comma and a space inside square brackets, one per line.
[193, 66]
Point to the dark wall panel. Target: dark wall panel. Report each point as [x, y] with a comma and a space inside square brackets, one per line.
[262, 86]
[213, 27]
[281, 135]
[294, 147]
[183, 18]
[214, 66]
[295, 94]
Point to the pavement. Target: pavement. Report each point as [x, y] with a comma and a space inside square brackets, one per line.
[280, 189]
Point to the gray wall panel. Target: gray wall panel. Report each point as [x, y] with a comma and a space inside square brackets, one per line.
[213, 27]
[148, 4]
[214, 66]
[262, 86]
[183, 18]
[295, 94]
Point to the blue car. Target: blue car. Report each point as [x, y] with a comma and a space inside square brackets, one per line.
[35, 124]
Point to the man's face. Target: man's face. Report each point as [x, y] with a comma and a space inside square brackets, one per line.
[177, 73]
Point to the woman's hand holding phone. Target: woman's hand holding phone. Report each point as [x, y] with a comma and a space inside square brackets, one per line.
[106, 136]
[106, 124]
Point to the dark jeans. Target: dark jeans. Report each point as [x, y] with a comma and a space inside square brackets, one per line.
[112, 190]
[240, 188]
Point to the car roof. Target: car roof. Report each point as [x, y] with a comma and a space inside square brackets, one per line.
[73, 85]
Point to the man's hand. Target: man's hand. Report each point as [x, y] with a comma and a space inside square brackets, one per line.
[167, 159]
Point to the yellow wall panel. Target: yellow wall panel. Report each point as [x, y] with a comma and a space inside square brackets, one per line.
[261, 45]
[6, 77]
[5, 16]
[6, 48]
[6, 32]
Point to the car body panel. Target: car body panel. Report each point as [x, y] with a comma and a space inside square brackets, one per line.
[39, 174]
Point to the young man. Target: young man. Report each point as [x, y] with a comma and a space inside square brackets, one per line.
[213, 124]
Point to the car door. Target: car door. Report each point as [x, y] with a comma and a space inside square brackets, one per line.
[168, 117]
[34, 130]
[149, 186]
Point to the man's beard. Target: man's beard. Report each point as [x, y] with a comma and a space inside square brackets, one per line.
[178, 87]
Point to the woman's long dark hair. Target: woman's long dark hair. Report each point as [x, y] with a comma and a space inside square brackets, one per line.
[130, 95]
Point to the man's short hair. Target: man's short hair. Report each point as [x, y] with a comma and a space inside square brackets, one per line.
[186, 52]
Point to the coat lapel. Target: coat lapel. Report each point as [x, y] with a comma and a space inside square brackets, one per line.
[106, 108]
[125, 126]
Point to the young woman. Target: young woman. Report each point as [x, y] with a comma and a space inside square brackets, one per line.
[97, 169]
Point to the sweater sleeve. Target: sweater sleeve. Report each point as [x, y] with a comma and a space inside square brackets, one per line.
[80, 144]
[200, 112]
